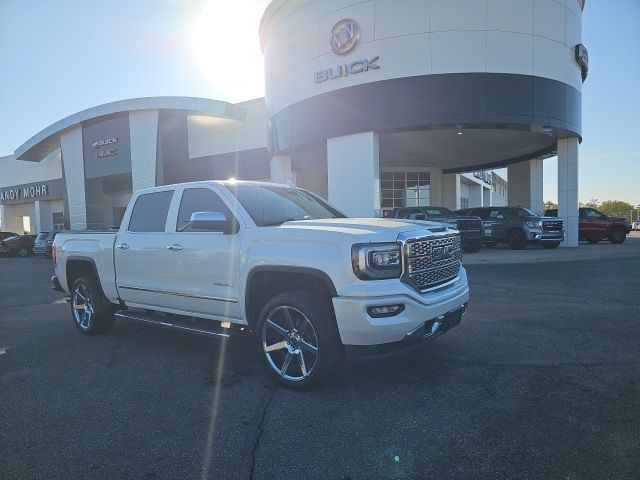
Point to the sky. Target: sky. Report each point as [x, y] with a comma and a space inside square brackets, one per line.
[57, 58]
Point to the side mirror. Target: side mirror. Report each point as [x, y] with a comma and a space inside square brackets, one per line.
[212, 221]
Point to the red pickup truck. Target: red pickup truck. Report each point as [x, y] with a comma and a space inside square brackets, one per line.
[595, 226]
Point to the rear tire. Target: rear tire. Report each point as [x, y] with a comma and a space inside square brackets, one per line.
[618, 235]
[490, 244]
[299, 339]
[593, 240]
[92, 313]
[517, 240]
[551, 245]
[23, 252]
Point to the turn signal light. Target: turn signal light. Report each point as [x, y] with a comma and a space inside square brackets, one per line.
[53, 255]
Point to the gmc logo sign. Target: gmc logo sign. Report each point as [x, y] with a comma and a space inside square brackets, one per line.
[444, 252]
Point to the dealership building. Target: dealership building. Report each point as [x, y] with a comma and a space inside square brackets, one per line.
[371, 104]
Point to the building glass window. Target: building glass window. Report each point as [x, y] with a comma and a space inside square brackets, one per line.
[58, 221]
[464, 203]
[404, 189]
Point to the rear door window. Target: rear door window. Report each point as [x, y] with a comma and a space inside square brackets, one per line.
[150, 212]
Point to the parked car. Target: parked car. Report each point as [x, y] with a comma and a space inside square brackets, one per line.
[43, 243]
[517, 227]
[594, 226]
[3, 237]
[273, 259]
[20, 245]
[470, 228]
[635, 226]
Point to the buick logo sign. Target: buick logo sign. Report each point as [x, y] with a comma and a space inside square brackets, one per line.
[344, 37]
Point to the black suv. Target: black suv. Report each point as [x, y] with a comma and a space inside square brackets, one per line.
[470, 228]
[518, 227]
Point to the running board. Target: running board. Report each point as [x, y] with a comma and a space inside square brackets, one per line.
[177, 322]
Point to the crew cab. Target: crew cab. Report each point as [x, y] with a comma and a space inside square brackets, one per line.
[470, 228]
[594, 226]
[216, 257]
[518, 227]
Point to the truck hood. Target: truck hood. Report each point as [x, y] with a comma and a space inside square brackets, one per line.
[362, 229]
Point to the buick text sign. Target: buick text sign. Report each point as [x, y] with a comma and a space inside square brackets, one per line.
[106, 147]
[352, 68]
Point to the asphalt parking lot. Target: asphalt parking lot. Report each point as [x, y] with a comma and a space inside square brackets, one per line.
[541, 380]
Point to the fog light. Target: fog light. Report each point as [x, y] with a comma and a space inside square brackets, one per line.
[385, 310]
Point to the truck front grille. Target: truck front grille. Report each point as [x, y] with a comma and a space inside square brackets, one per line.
[552, 226]
[431, 261]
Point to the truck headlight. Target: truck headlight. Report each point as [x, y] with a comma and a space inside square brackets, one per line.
[376, 261]
[534, 223]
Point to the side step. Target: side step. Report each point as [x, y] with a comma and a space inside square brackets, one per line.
[193, 325]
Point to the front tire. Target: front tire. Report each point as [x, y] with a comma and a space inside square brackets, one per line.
[618, 235]
[91, 311]
[23, 252]
[299, 339]
[551, 245]
[517, 240]
[593, 240]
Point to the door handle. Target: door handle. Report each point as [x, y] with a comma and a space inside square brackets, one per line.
[175, 247]
[123, 246]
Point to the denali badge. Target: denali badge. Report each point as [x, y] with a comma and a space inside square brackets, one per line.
[358, 66]
[344, 36]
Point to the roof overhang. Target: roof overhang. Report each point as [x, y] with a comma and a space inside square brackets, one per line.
[48, 140]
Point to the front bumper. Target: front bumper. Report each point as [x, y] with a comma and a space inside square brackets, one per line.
[421, 335]
[545, 236]
[358, 327]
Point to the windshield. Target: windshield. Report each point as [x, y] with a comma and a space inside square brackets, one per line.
[523, 212]
[270, 205]
[435, 211]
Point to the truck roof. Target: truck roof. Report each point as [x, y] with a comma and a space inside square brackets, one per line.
[226, 183]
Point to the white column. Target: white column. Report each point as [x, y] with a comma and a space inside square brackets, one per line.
[451, 191]
[143, 131]
[353, 164]
[73, 163]
[568, 189]
[486, 197]
[280, 166]
[44, 220]
[525, 185]
[475, 195]
[435, 187]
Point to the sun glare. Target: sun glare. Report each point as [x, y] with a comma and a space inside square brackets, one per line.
[227, 50]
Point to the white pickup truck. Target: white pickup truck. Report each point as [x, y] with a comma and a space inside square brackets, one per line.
[217, 257]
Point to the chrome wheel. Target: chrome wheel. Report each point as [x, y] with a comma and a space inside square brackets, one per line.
[23, 252]
[290, 343]
[82, 306]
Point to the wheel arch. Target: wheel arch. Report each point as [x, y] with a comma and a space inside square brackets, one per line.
[75, 267]
[263, 282]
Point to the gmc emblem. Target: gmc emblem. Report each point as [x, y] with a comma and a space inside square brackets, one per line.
[444, 252]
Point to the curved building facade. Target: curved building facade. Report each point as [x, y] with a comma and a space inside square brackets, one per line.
[373, 104]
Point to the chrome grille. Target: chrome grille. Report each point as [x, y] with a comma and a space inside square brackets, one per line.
[432, 261]
[552, 226]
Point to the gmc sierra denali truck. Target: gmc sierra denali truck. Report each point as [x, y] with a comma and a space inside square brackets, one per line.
[216, 257]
